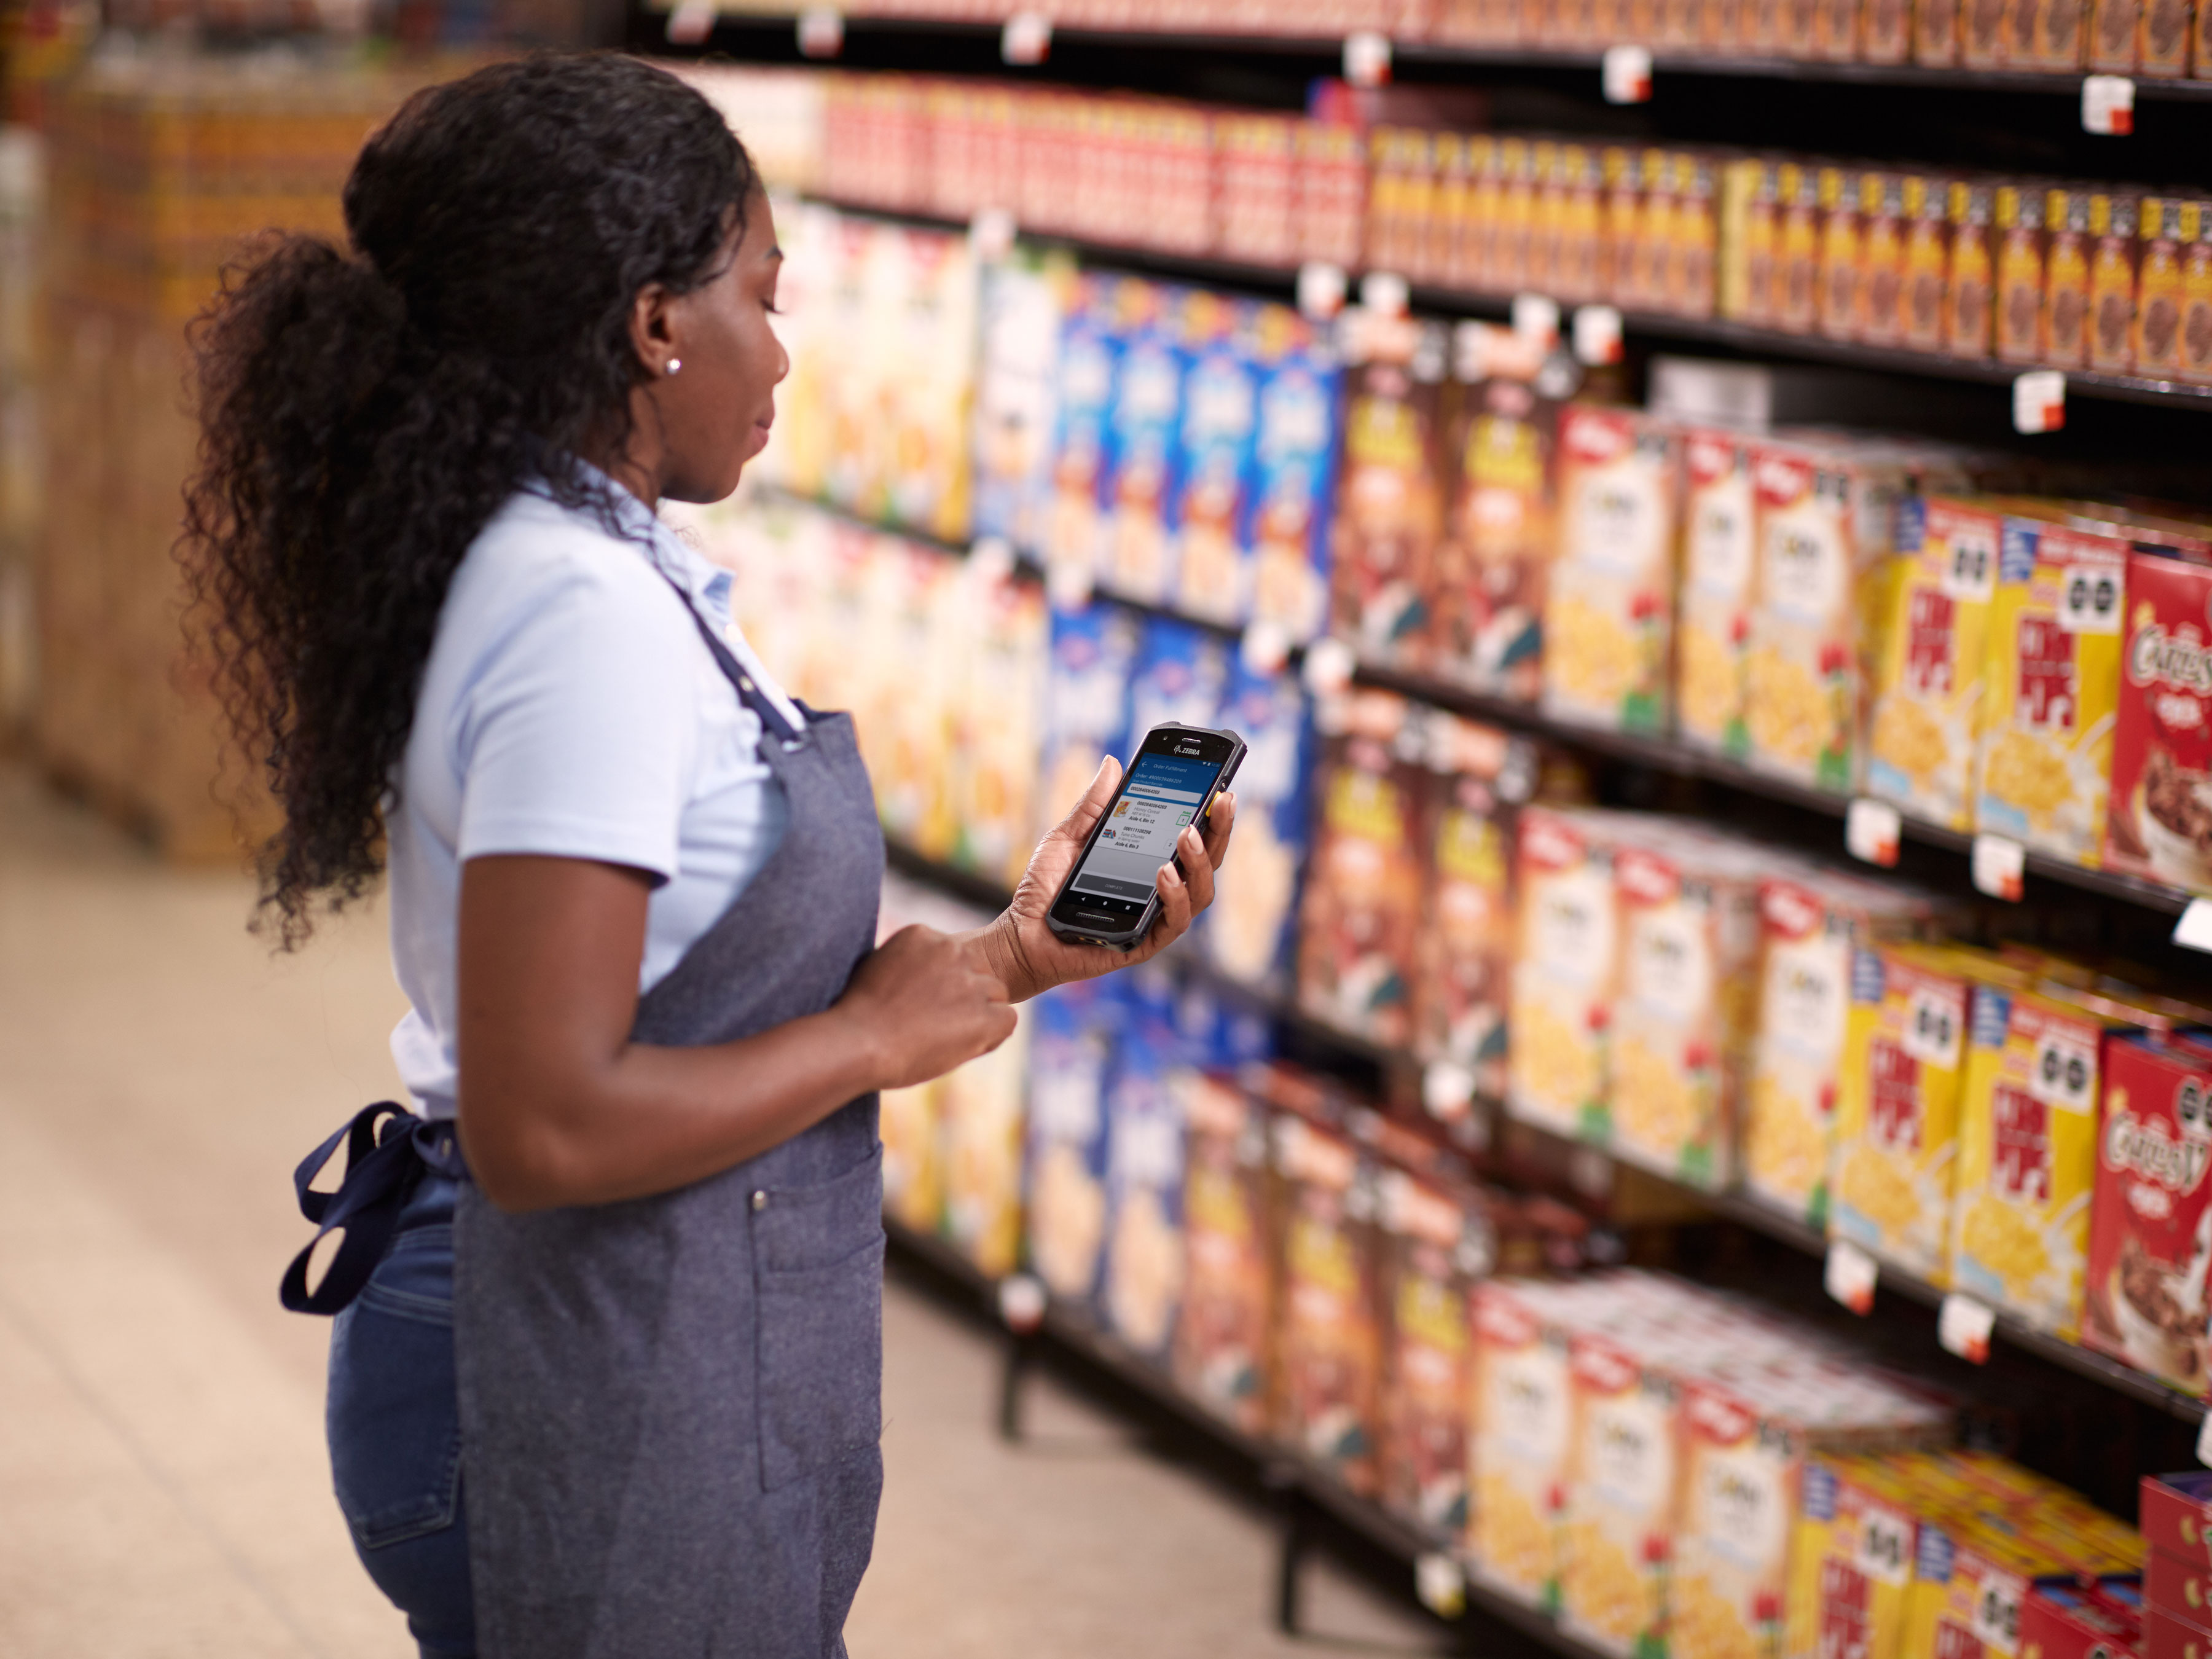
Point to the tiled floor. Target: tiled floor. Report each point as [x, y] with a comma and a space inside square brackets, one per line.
[162, 1486]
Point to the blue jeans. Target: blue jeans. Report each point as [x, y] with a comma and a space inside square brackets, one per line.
[395, 1428]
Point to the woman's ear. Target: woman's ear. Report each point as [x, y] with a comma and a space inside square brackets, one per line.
[653, 330]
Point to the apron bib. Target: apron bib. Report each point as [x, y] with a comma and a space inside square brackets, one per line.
[670, 1406]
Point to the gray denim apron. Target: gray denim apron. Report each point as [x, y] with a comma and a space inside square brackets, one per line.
[670, 1407]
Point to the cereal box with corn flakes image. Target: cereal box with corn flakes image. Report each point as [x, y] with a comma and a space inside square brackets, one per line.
[1141, 477]
[2044, 769]
[1897, 1106]
[1074, 1031]
[1928, 692]
[1437, 1244]
[1391, 491]
[1682, 1017]
[1563, 972]
[1608, 616]
[1285, 532]
[1248, 931]
[2161, 820]
[1465, 953]
[910, 1123]
[1518, 1440]
[2028, 1155]
[1621, 1499]
[1221, 1354]
[2150, 1226]
[1715, 600]
[1361, 915]
[1213, 470]
[983, 1154]
[1141, 1273]
[1330, 1344]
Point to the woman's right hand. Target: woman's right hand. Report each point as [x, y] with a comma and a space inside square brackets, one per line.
[921, 1003]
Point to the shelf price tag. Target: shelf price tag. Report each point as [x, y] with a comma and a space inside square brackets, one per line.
[821, 32]
[691, 23]
[1021, 1302]
[1440, 1583]
[1626, 74]
[1320, 290]
[2204, 1440]
[1597, 334]
[1367, 58]
[1536, 319]
[1998, 861]
[1266, 645]
[1850, 1276]
[1962, 1326]
[1384, 293]
[1328, 667]
[2108, 105]
[1026, 39]
[1871, 829]
[991, 235]
[1589, 1172]
[1448, 1090]
[2038, 400]
[990, 560]
[2194, 931]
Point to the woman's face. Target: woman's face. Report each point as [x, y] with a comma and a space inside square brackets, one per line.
[714, 411]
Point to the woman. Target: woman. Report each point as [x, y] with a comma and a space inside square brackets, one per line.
[611, 1387]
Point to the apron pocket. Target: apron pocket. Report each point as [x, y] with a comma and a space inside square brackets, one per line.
[818, 1253]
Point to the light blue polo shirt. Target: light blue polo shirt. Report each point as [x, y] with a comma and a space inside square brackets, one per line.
[569, 708]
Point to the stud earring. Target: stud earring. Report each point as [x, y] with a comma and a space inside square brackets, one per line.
[675, 363]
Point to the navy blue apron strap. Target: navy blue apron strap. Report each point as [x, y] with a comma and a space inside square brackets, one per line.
[387, 1148]
[749, 692]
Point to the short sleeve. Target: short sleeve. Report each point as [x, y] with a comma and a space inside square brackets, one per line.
[574, 734]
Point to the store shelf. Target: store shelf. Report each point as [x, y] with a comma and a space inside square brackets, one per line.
[1329, 50]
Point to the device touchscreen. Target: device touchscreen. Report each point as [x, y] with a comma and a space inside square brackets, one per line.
[1162, 793]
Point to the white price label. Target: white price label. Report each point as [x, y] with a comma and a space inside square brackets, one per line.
[1026, 39]
[1068, 580]
[1627, 75]
[1996, 1610]
[2194, 931]
[821, 32]
[1329, 670]
[691, 23]
[1440, 1583]
[1597, 334]
[1932, 1029]
[2038, 400]
[1589, 1172]
[2108, 105]
[1972, 570]
[2204, 1440]
[991, 235]
[1266, 646]
[1885, 1545]
[1384, 293]
[1998, 862]
[1962, 1326]
[990, 560]
[2089, 600]
[1367, 58]
[1871, 829]
[1448, 1090]
[1536, 317]
[2064, 1073]
[1021, 1301]
[1849, 1277]
[1320, 290]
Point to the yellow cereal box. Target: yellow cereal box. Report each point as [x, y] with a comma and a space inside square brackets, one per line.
[2044, 770]
[1608, 616]
[1518, 1447]
[1928, 692]
[1563, 972]
[1851, 1560]
[911, 1122]
[1715, 604]
[1973, 1575]
[982, 1154]
[1896, 1110]
[1621, 1497]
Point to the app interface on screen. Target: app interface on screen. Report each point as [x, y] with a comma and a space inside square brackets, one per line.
[1163, 793]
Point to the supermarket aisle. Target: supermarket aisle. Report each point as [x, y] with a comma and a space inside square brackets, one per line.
[162, 1488]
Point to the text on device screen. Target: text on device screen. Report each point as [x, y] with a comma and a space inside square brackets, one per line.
[1163, 793]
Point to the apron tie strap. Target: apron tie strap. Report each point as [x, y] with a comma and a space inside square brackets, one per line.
[387, 1148]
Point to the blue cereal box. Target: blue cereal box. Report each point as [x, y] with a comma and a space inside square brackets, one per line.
[1026, 300]
[1180, 675]
[1092, 653]
[1143, 1253]
[1074, 1033]
[1090, 345]
[1136, 550]
[1286, 529]
[1249, 932]
[1220, 419]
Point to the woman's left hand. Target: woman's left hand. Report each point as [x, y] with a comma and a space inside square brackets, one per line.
[1028, 956]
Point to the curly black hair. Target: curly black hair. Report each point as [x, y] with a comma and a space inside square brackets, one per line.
[364, 412]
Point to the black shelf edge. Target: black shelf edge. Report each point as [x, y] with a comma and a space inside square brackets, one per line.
[1445, 54]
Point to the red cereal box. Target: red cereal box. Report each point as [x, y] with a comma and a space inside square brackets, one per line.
[2161, 821]
[2178, 1584]
[2061, 1618]
[2150, 1228]
[2177, 1513]
[2167, 1636]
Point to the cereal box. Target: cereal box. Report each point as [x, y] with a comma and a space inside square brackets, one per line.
[1222, 1340]
[910, 1123]
[1284, 533]
[1851, 1574]
[1563, 972]
[1023, 299]
[1248, 932]
[1140, 481]
[1074, 1030]
[2043, 772]
[983, 1116]
[1142, 1270]
[1975, 1571]
[1361, 915]
[1436, 1246]
[1465, 952]
[2028, 1155]
[1681, 1017]
[1825, 525]
[2060, 1619]
[1518, 1443]
[1928, 693]
[2161, 820]
[1718, 524]
[1390, 505]
[1089, 655]
[2150, 1230]
[1178, 678]
[1621, 1496]
[1897, 1107]
[1090, 345]
[1608, 621]
[1214, 472]
[998, 706]
[1330, 1349]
